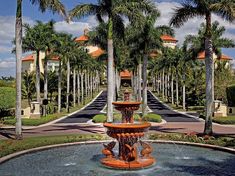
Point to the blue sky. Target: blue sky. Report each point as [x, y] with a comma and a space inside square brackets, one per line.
[31, 14]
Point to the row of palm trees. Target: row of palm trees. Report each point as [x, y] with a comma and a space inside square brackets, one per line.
[142, 16]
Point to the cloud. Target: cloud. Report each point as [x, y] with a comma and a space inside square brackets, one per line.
[5, 49]
[190, 27]
[76, 27]
[7, 63]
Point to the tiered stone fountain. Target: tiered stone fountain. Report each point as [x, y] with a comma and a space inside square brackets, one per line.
[128, 135]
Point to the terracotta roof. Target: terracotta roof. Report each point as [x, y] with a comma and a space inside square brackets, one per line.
[201, 56]
[82, 38]
[28, 58]
[97, 53]
[56, 58]
[125, 74]
[168, 38]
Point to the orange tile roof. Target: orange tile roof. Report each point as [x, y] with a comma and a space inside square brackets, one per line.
[55, 58]
[201, 56]
[28, 58]
[168, 38]
[97, 53]
[82, 38]
[125, 74]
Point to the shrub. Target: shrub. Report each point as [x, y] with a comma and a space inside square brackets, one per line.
[152, 117]
[101, 118]
[230, 91]
[7, 100]
[224, 120]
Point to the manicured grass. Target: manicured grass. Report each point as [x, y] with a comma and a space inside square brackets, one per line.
[151, 117]
[224, 120]
[217, 140]
[46, 119]
[101, 118]
[10, 146]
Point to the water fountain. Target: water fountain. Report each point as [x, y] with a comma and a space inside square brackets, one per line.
[128, 134]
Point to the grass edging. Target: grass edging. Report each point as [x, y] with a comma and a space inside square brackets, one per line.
[11, 146]
[16, 154]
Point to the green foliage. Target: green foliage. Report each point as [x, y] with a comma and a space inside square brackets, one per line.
[217, 140]
[231, 95]
[152, 117]
[101, 118]
[224, 120]
[10, 146]
[7, 98]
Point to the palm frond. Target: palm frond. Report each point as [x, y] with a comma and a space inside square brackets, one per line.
[84, 10]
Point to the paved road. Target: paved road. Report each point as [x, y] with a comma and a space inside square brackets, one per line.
[166, 113]
[86, 114]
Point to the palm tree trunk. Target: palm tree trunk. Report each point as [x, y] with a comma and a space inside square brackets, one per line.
[144, 101]
[38, 77]
[110, 72]
[163, 84]
[172, 88]
[184, 108]
[18, 37]
[59, 86]
[209, 77]
[45, 83]
[139, 80]
[74, 87]
[177, 88]
[68, 84]
[82, 87]
[78, 88]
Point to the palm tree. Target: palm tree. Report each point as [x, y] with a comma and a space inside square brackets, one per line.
[18, 38]
[190, 9]
[114, 10]
[55, 6]
[34, 40]
[28, 85]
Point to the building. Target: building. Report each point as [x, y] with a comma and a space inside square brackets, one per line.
[222, 58]
[169, 41]
[29, 63]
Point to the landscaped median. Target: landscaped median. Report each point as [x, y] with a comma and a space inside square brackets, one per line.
[151, 117]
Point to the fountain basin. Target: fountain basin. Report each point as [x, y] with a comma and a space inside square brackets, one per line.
[83, 159]
[127, 135]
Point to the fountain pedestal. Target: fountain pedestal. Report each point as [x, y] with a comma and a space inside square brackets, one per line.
[127, 134]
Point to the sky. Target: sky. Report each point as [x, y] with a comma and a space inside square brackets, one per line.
[31, 14]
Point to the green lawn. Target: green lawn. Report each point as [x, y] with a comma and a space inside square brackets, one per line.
[43, 120]
[224, 120]
[10, 146]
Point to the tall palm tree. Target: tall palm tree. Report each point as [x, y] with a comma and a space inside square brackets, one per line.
[55, 6]
[205, 8]
[114, 10]
[18, 38]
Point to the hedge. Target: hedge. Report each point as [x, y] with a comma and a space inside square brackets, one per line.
[7, 100]
[230, 91]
